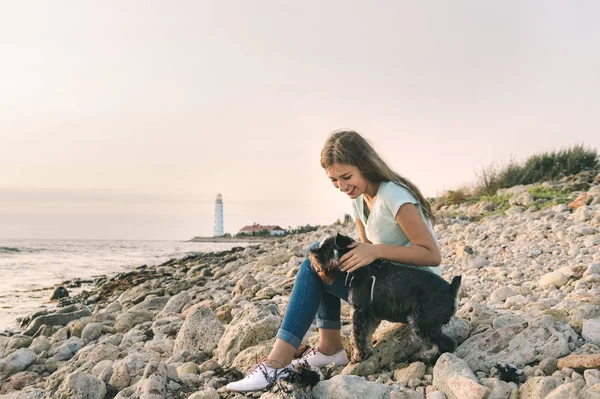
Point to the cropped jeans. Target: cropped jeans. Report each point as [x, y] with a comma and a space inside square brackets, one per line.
[310, 297]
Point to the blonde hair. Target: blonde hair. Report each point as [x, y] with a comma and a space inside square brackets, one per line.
[350, 148]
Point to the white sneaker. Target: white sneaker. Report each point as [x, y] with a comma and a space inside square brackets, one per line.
[261, 377]
[315, 358]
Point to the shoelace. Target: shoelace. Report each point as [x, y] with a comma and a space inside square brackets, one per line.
[310, 352]
[271, 380]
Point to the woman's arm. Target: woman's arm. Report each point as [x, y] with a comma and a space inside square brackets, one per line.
[424, 251]
[362, 232]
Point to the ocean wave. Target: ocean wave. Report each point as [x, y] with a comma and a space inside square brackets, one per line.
[13, 250]
[9, 250]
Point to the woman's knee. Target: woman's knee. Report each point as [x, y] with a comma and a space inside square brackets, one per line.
[311, 246]
[306, 267]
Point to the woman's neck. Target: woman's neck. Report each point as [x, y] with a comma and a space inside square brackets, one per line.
[371, 191]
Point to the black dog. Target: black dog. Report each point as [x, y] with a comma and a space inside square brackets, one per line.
[386, 291]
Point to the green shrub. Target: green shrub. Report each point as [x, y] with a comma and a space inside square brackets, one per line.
[537, 168]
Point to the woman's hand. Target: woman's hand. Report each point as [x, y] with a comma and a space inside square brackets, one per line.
[361, 255]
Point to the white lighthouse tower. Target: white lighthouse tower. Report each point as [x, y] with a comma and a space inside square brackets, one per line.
[218, 231]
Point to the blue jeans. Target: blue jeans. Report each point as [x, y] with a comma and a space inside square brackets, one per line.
[310, 297]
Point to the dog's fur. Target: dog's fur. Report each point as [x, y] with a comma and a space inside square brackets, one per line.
[421, 298]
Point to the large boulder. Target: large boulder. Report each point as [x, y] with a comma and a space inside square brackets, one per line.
[200, 331]
[127, 320]
[59, 318]
[153, 384]
[454, 378]
[393, 343]
[175, 304]
[81, 386]
[124, 370]
[591, 331]
[153, 305]
[519, 344]
[17, 361]
[254, 323]
[538, 387]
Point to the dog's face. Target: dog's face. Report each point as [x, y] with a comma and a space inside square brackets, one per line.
[325, 259]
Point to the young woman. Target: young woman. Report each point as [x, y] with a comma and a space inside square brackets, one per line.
[394, 222]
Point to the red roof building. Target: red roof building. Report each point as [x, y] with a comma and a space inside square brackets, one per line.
[273, 230]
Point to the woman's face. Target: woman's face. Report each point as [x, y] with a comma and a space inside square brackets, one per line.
[348, 179]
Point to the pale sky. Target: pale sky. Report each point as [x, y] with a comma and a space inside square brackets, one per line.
[124, 119]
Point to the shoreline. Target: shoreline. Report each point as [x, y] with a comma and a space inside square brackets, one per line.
[236, 239]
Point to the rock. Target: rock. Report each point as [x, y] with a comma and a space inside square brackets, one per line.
[581, 201]
[200, 331]
[127, 320]
[243, 284]
[254, 323]
[27, 393]
[39, 345]
[20, 380]
[153, 384]
[405, 393]
[556, 279]
[18, 341]
[103, 370]
[350, 387]
[507, 320]
[414, 370]
[153, 305]
[187, 368]
[17, 361]
[104, 351]
[138, 293]
[592, 377]
[500, 294]
[393, 343]
[548, 365]
[210, 393]
[59, 318]
[124, 370]
[564, 391]
[81, 386]
[166, 327]
[174, 305]
[476, 314]
[92, 332]
[538, 387]
[518, 344]
[476, 263]
[67, 349]
[522, 199]
[591, 331]
[498, 389]
[58, 293]
[580, 362]
[452, 376]
[458, 329]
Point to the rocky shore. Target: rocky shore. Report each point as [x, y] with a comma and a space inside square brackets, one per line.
[530, 298]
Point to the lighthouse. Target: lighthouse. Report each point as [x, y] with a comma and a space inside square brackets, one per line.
[218, 231]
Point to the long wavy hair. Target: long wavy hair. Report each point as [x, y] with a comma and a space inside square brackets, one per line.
[350, 148]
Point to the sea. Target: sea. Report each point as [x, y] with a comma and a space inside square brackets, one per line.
[31, 269]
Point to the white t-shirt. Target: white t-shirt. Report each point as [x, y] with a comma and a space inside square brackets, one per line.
[381, 226]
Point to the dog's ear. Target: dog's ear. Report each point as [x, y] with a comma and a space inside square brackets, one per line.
[342, 241]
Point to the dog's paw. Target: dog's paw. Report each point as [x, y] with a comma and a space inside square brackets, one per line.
[356, 358]
[359, 356]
